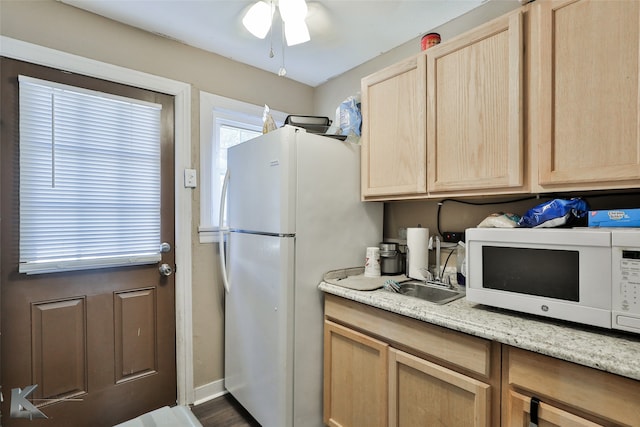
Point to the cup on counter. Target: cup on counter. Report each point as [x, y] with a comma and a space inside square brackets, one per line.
[372, 262]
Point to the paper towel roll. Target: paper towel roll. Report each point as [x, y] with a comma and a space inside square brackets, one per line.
[417, 252]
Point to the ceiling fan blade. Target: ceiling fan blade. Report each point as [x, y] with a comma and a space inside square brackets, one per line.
[293, 10]
[258, 19]
[294, 13]
[296, 32]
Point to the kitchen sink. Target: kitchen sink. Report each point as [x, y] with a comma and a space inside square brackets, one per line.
[435, 293]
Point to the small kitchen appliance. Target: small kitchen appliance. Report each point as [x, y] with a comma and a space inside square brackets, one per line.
[583, 275]
[391, 259]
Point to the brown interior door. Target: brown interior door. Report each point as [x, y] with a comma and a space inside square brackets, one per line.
[99, 344]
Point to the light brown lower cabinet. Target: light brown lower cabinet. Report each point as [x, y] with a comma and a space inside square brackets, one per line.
[424, 393]
[355, 381]
[569, 394]
[519, 414]
[384, 369]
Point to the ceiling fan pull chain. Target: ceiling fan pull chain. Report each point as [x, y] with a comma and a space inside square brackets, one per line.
[271, 32]
[282, 71]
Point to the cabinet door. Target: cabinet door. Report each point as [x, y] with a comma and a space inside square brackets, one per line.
[474, 113]
[581, 390]
[519, 414]
[393, 130]
[355, 378]
[588, 110]
[422, 393]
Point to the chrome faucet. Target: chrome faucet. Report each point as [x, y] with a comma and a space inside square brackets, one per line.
[440, 279]
[437, 278]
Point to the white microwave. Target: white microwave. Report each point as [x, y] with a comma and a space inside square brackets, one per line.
[583, 275]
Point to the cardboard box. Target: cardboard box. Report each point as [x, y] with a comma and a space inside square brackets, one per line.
[615, 218]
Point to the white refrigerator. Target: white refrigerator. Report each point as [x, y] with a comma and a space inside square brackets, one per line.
[294, 213]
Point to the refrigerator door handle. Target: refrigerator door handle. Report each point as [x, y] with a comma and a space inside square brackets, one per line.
[222, 230]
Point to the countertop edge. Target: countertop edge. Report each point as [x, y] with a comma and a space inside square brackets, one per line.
[597, 348]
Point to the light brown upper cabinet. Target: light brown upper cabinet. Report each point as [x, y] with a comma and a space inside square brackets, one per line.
[475, 138]
[546, 99]
[448, 120]
[393, 130]
[585, 94]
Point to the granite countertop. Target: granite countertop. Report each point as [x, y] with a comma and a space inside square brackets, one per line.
[603, 349]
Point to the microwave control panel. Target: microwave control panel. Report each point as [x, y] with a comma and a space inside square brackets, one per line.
[629, 279]
[626, 288]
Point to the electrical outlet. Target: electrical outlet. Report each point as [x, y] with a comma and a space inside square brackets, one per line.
[453, 236]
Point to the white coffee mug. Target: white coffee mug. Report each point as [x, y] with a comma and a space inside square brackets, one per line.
[372, 262]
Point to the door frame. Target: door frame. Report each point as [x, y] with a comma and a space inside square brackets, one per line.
[24, 51]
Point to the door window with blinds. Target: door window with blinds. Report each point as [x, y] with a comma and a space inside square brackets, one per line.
[89, 179]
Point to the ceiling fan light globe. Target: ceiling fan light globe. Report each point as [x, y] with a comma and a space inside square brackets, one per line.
[258, 19]
[296, 32]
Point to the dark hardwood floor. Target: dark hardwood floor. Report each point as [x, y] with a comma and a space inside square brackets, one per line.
[223, 411]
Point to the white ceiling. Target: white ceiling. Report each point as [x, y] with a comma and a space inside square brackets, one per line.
[344, 33]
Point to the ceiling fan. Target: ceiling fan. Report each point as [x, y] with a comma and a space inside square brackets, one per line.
[259, 18]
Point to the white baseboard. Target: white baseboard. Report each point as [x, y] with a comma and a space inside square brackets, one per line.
[210, 391]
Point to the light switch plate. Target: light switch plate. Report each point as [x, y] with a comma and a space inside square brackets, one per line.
[190, 178]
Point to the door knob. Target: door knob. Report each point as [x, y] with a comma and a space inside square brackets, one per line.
[165, 270]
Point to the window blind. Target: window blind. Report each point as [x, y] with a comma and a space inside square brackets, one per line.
[89, 179]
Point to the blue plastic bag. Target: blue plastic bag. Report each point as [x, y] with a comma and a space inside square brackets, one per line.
[554, 213]
[350, 117]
